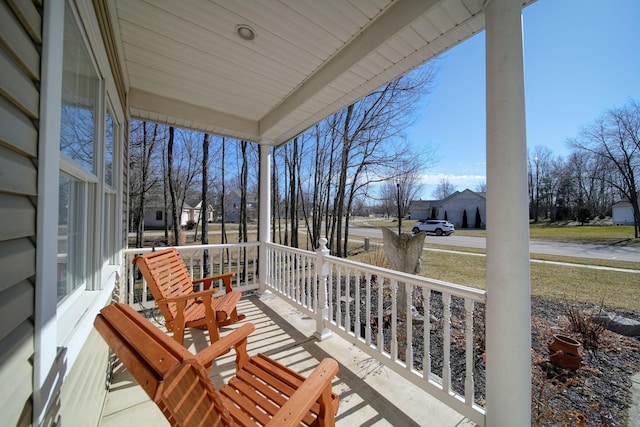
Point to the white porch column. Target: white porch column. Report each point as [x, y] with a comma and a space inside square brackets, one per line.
[508, 310]
[264, 218]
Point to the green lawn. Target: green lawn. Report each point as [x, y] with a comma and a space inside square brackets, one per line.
[572, 283]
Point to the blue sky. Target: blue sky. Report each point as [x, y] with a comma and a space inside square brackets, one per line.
[580, 60]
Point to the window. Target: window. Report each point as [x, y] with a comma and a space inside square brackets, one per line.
[109, 236]
[78, 183]
[108, 148]
[71, 228]
[159, 215]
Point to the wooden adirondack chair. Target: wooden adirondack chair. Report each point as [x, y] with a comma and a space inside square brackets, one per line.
[180, 304]
[263, 392]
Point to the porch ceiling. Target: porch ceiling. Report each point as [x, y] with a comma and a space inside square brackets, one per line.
[184, 64]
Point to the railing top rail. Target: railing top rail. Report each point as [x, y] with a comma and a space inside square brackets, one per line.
[438, 285]
[192, 247]
[290, 249]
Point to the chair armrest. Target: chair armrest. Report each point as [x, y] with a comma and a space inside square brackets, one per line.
[225, 277]
[316, 385]
[187, 296]
[237, 338]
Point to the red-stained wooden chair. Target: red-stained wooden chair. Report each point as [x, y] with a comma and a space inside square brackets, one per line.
[262, 392]
[181, 305]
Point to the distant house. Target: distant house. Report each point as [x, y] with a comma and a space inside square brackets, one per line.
[232, 207]
[452, 208]
[622, 213]
[154, 213]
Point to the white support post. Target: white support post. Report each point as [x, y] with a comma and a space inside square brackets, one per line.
[264, 234]
[322, 311]
[508, 308]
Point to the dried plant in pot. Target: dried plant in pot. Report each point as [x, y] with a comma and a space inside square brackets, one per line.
[565, 352]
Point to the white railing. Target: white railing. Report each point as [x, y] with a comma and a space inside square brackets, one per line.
[360, 303]
[241, 258]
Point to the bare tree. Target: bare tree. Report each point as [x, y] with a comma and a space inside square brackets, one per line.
[397, 192]
[172, 189]
[142, 148]
[244, 177]
[539, 165]
[615, 137]
[443, 190]
[223, 192]
[204, 202]
[183, 166]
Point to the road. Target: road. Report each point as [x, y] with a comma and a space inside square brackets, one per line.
[618, 253]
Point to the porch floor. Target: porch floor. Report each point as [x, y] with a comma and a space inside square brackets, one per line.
[370, 394]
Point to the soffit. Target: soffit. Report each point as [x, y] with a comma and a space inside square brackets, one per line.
[183, 63]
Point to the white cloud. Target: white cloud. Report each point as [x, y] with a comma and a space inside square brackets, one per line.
[456, 180]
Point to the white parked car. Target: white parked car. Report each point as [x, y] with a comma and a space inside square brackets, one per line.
[437, 226]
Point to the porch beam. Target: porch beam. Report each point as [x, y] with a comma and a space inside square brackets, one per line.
[398, 16]
[264, 217]
[508, 307]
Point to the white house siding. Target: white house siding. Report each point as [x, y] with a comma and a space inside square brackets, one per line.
[84, 390]
[20, 34]
[622, 213]
[73, 389]
[456, 204]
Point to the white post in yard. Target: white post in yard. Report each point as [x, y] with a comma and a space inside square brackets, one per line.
[508, 309]
[264, 235]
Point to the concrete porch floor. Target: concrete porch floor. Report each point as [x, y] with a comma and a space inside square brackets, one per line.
[370, 394]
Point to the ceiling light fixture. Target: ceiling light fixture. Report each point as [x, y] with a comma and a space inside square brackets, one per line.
[245, 32]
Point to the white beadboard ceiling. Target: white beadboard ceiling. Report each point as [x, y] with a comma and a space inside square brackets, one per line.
[184, 65]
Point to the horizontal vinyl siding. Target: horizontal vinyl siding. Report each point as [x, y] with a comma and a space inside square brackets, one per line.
[20, 36]
[16, 369]
[84, 391]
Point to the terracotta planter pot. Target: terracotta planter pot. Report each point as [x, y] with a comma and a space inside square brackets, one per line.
[565, 352]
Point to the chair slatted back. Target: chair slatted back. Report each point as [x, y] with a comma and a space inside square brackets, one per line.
[170, 277]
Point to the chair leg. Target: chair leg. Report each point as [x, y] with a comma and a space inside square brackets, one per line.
[212, 322]
[178, 334]
[232, 318]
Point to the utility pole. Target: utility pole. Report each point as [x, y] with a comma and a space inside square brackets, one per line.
[399, 210]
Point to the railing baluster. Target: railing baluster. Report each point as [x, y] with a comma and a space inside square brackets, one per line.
[380, 322]
[367, 308]
[394, 320]
[339, 297]
[357, 328]
[330, 291]
[446, 323]
[469, 356]
[426, 357]
[409, 326]
[347, 299]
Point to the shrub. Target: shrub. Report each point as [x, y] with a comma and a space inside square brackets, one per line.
[582, 322]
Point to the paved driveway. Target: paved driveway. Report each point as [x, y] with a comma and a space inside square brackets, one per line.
[619, 253]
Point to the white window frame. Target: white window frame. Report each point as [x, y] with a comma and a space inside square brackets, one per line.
[61, 330]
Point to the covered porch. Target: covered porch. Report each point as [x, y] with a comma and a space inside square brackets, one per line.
[436, 349]
[243, 103]
[78, 71]
[370, 393]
